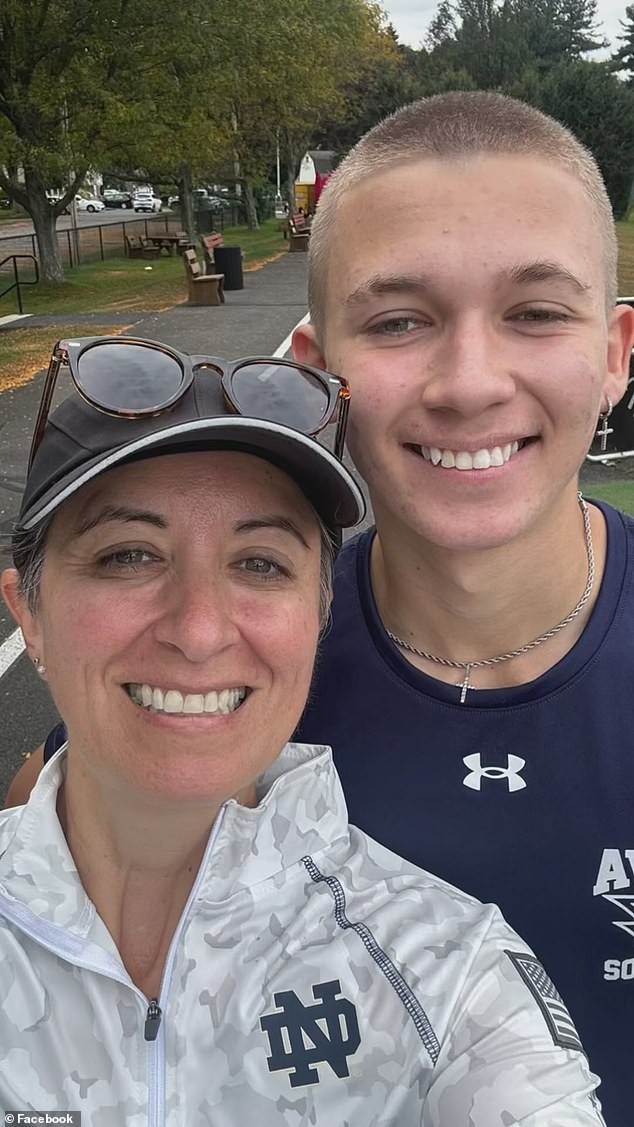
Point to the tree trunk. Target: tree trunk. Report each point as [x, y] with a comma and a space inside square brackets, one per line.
[44, 218]
[187, 206]
[250, 208]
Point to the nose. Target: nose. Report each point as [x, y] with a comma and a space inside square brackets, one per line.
[469, 371]
[197, 617]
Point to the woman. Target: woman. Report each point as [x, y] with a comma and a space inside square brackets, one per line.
[191, 932]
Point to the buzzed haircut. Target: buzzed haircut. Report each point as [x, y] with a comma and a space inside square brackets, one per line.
[456, 125]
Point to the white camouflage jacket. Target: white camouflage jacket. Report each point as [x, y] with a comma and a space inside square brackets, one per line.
[314, 979]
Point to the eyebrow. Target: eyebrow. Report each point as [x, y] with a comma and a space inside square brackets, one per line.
[273, 521]
[378, 285]
[546, 272]
[120, 513]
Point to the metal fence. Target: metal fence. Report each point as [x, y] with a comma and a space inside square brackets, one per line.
[89, 244]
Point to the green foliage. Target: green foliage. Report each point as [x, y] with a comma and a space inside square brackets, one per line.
[599, 109]
[623, 60]
[494, 40]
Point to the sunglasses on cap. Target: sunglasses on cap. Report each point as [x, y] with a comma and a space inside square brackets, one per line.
[130, 378]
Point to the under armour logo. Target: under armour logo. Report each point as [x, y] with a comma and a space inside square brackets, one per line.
[323, 1024]
[477, 772]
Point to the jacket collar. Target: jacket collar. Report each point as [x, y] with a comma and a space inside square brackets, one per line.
[301, 809]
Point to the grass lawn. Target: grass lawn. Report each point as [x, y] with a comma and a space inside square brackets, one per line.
[617, 493]
[625, 234]
[119, 285]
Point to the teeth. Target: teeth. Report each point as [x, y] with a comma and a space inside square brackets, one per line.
[483, 459]
[463, 460]
[172, 701]
[194, 703]
[191, 704]
[211, 702]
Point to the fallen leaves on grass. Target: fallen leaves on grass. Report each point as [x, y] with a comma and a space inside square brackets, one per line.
[25, 351]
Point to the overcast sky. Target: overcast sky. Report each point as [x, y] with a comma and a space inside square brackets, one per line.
[411, 19]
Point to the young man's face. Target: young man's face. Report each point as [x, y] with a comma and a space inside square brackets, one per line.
[466, 307]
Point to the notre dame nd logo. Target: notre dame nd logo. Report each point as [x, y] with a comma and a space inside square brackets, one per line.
[324, 1033]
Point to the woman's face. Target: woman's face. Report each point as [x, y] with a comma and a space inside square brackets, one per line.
[178, 621]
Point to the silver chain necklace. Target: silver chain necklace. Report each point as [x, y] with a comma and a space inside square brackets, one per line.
[467, 666]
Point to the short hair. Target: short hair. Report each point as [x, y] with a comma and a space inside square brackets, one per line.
[457, 124]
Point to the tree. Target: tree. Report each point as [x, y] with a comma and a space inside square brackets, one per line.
[495, 40]
[270, 82]
[599, 109]
[78, 79]
[623, 60]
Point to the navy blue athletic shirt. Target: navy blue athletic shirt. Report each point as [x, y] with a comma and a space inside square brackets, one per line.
[522, 796]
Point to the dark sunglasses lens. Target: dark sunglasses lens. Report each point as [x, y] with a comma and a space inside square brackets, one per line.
[283, 393]
[128, 377]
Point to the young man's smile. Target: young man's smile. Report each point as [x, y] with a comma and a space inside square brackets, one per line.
[480, 360]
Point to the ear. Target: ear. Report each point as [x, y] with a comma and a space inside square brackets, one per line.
[620, 343]
[26, 620]
[306, 348]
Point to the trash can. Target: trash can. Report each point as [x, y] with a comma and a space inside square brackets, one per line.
[228, 261]
[204, 219]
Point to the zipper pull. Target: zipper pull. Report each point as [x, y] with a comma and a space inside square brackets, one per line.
[152, 1020]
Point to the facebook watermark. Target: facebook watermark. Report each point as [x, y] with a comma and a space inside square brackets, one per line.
[20, 1118]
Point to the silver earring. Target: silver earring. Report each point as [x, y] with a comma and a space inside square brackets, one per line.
[603, 430]
[41, 669]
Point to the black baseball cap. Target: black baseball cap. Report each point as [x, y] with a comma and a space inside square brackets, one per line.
[81, 442]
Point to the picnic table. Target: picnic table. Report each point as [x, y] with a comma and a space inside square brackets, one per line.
[170, 242]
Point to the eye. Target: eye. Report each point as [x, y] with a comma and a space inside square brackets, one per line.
[540, 316]
[396, 326]
[126, 559]
[263, 568]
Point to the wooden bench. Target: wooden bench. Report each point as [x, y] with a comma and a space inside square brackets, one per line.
[137, 247]
[209, 244]
[184, 242]
[298, 232]
[203, 289]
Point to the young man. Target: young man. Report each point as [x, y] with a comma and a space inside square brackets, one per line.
[463, 278]
[476, 684]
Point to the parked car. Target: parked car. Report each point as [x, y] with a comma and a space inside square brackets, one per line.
[144, 200]
[112, 197]
[89, 203]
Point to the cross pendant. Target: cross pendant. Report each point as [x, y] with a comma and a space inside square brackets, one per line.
[604, 432]
[464, 685]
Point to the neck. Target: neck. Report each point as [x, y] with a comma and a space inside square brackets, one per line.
[474, 605]
[137, 858]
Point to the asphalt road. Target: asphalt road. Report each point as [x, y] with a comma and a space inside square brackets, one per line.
[17, 227]
[255, 321]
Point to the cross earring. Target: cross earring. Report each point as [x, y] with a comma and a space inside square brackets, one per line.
[604, 430]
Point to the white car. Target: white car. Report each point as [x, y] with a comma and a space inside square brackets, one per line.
[89, 203]
[146, 201]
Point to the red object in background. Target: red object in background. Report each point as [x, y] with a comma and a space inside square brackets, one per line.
[320, 184]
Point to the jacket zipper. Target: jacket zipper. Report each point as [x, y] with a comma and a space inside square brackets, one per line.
[152, 1020]
[154, 1032]
[48, 936]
